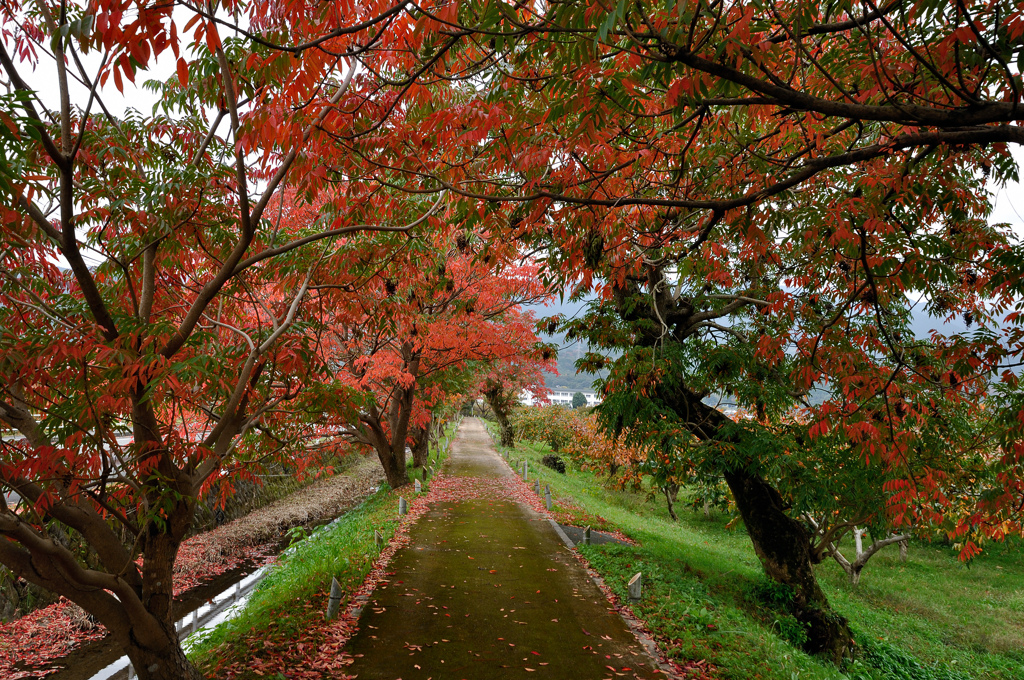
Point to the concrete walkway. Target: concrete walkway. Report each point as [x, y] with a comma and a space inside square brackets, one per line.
[487, 590]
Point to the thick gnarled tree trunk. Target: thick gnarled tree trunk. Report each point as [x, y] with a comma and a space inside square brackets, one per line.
[782, 544]
[136, 606]
[152, 645]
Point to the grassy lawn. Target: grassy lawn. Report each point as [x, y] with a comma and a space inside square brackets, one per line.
[930, 618]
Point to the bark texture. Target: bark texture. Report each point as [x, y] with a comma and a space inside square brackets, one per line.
[388, 430]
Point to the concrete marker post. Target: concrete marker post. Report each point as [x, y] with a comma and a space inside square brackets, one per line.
[635, 586]
[403, 506]
[586, 536]
[334, 601]
[547, 496]
[378, 539]
[526, 471]
[417, 486]
[536, 486]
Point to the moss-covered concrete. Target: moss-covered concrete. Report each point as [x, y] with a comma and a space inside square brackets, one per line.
[487, 590]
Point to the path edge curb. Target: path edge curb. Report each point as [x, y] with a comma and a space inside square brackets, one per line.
[561, 534]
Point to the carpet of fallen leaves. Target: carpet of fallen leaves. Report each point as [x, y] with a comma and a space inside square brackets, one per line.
[42, 636]
[29, 645]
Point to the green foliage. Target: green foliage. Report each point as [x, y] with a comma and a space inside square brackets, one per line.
[765, 591]
[297, 534]
[293, 595]
[774, 602]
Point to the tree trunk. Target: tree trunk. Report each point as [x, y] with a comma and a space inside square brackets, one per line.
[152, 645]
[501, 406]
[507, 437]
[421, 443]
[166, 663]
[421, 449]
[784, 548]
[670, 498]
[394, 467]
[781, 543]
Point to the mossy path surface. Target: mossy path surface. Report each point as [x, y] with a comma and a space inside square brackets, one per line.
[485, 590]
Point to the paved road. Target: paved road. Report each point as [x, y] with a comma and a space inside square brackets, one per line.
[486, 590]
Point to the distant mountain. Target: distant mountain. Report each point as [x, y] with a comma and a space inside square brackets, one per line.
[568, 351]
[567, 376]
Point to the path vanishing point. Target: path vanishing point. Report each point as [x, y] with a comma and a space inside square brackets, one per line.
[487, 590]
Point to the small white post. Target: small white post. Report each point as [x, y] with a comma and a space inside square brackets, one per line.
[526, 471]
[378, 538]
[417, 486]
[634, 588]
[403, 506]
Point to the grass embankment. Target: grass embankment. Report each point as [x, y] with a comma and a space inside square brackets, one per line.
[284, 617]
[705, 597]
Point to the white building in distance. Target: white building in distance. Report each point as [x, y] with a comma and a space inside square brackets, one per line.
[561, 397]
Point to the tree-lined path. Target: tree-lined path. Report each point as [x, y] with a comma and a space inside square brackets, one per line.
[486, 589]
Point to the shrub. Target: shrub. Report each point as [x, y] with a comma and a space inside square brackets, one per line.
[778, 598]
[554, 462]
[552, 425]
